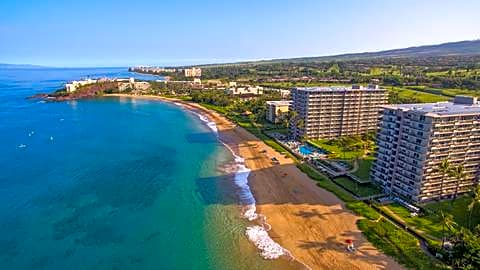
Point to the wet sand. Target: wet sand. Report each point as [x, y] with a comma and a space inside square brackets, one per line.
[308, 221]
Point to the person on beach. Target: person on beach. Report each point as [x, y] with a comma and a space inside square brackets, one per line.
[350, 246]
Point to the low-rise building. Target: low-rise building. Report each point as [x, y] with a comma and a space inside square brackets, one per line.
[156, 70]
[197, 81]
[245, 90]
[192, 72]
[132, 85]
[277, 110]
[284, 93]
[414, 139]
[74, 85]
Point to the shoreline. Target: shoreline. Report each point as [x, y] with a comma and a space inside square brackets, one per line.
[308, 222]
[257, 234]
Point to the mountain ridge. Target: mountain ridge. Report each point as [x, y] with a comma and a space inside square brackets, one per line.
[457, 48]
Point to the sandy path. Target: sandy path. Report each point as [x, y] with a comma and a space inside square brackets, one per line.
[310, 222]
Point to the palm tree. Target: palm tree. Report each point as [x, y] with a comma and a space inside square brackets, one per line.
[367, 146]
[291, 116]
[447, 223]
[459, 173]
[342, 143]
[445, 169]
[475, 201]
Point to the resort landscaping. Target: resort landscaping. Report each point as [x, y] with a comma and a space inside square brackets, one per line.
[342, 166]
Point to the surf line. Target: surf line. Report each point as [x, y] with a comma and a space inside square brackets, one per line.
[257, 234]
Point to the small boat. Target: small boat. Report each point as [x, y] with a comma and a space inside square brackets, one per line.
[22, 145]
[51, 138]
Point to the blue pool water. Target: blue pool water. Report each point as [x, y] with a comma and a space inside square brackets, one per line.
[305, 150]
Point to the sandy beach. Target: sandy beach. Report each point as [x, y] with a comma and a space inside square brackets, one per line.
[308, 221]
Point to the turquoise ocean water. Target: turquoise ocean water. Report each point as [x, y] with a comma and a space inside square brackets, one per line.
[112, 183]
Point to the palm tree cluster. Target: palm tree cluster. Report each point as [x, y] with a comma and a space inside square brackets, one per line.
[449, 171]
[364, 144]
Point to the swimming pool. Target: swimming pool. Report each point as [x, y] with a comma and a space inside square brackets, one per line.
[305, 150]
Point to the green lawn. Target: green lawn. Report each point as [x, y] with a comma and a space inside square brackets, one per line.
[361, 190]
[364, 166]
[334, 149]
[458, 209]
[419, 95]
[430, 222]
[324, 182]
[447, 92]
[397, 243]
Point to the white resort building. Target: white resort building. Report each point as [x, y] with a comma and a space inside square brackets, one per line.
[74, 85]
[245, 90]
[192, 72]
[132, 85]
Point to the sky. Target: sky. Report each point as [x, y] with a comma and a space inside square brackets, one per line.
[92, 33]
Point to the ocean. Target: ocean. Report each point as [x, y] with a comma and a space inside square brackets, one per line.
[113, 183]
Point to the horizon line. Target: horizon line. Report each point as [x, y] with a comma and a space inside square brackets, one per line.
[214, 61]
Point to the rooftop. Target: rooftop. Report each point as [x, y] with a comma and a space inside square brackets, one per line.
[280, 102]
[339, 88]
[439, 108]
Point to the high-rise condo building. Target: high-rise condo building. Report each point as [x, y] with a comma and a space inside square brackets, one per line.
[414, 139]
[330, 112]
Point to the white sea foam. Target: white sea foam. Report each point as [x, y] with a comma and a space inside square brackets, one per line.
[270, 249]
[258, 235]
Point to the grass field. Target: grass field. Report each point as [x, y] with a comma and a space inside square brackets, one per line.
[397, 243]
[418, 95]
[361, 190]
[334, 149]
[364, 166]
[448, 93]
[430, 222]
[458, 209]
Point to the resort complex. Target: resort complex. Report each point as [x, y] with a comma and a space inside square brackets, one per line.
[330, 112]
[388, 162]
[245, 90]
[413, 141]
[74, 85]
[192, 72]
[186, 72]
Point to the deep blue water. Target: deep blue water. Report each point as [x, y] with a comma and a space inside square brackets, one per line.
[113, 183]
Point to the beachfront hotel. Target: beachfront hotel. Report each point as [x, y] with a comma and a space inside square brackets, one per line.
[413, 140]
[192, 72]
[74, 85]
[277, 109]
[245, 90]
[330, 112]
